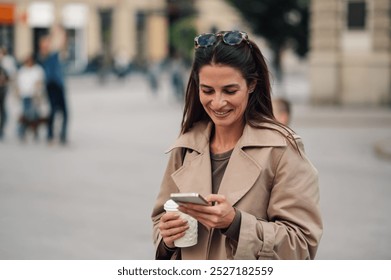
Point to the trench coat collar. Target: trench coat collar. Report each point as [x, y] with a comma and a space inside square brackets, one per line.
[197, 139]
[242, 170]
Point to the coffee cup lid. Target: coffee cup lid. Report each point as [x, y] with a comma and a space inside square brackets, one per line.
[170, 205]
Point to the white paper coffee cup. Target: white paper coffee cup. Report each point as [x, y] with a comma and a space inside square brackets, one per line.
[191, 235]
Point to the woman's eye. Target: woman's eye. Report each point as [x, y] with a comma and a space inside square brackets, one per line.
[207, 91]
[230, 91]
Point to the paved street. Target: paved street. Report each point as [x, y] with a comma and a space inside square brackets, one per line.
[92, 198]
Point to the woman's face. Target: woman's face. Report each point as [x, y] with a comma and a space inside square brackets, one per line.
[224, 95]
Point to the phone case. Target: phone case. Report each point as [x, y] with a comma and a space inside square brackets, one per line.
[189, 197]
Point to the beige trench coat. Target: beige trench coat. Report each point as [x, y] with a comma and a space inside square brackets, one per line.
[274, 187]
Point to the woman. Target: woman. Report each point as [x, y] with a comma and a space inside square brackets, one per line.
[262, 190]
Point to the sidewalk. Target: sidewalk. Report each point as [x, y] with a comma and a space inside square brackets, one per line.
[338, 116]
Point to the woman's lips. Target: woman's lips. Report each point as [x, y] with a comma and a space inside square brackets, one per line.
[221, 113]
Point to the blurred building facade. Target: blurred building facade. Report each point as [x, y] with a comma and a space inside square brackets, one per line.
[228, 18]
[350, 52]
[135, 30]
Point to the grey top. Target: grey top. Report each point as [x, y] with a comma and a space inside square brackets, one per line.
[219, 164]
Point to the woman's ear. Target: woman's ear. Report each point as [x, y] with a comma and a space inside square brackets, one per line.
[251, 86]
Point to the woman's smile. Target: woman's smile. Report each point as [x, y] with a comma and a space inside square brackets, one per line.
[221, 113]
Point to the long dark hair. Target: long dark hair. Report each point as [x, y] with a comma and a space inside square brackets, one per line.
[248, 59]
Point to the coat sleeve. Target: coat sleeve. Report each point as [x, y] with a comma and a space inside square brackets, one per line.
[294, 226]
[167, 187]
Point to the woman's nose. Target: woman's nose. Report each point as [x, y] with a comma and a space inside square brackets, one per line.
[218, 101]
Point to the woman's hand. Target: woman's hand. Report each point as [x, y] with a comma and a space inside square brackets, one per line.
[171, 228]
[219, 214]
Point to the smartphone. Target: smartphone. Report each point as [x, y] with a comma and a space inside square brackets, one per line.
[189, 197]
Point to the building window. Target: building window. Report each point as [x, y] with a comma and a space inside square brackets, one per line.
[7, 27]
[356, 15]
[7, 37]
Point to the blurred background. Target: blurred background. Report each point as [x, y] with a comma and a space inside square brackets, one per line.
[125, 66]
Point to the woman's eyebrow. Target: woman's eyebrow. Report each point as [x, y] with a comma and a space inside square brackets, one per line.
[231, 85]
[225, 86]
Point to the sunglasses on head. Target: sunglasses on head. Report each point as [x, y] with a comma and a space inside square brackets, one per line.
[231, 38]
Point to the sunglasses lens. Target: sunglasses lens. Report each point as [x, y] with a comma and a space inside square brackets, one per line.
[233, 38]
[206, 40]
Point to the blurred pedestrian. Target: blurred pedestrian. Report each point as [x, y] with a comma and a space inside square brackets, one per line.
[8, 62]
[3, 94]
[153, 76]
[177, 71]
[51, 52]
[282, 110]
[104, 66]
[30, 81]
[121, 64]
[261, 188]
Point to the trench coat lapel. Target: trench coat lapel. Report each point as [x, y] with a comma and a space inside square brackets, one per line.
[195, 175]
[239, 177]
[243, 168]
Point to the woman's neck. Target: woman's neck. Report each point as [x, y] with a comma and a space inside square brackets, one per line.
[225, 138]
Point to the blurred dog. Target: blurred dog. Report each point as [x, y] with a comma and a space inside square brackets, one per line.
[32, 124]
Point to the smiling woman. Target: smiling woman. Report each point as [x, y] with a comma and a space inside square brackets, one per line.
[262, 190]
